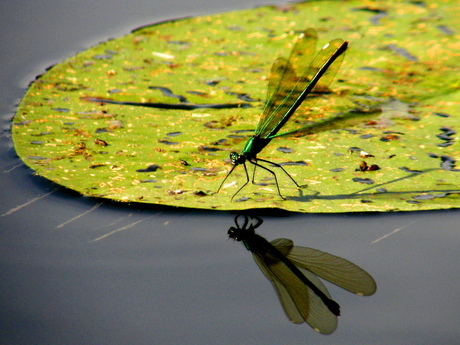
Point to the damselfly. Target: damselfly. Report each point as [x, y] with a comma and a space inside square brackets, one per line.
[291, 81]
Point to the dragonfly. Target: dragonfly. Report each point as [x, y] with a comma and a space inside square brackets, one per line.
[290, 82]
[294, 271]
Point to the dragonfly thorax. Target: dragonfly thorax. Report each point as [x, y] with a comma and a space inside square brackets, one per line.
[254, 145]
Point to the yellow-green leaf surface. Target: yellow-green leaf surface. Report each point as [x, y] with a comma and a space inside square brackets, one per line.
[401, 70]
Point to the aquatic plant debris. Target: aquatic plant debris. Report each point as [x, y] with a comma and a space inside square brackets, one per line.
[82, 124]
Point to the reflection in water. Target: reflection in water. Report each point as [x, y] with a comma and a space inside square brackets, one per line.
[293, 272]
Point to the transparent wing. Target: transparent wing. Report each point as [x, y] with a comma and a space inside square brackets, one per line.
[283, 73]
[320, 318]
[334, 269]
[284, 245]
[276, 74]
[291, 86]
[299, 302]
[285, 299]
[303, 52]
[283, 79]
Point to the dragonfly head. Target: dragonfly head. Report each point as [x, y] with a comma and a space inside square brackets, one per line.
[237, 158]
[234, 233]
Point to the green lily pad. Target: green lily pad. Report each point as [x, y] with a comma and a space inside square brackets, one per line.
[101, 122]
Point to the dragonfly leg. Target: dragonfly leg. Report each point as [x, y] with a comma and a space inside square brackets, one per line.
[247, 181]
[259, 222]
[279, 166]
[226, 177]
[254, 173]
[271, 172]
[246, 221]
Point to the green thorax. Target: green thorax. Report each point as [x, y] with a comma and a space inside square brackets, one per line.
[254, 145]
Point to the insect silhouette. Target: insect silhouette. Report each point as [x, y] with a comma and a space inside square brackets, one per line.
[294, 271]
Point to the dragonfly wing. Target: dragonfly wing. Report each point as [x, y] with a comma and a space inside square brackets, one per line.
[302, 55]
[334, 269]
[320, 318]
[299, 302]
[285, 299]
[279, 67]
[316, 78]
[303, 52]
[284, 245]
[284, 77]
[321, 60]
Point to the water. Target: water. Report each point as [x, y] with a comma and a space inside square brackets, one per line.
[75, 270]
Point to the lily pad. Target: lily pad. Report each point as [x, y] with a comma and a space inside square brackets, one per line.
[152, 116]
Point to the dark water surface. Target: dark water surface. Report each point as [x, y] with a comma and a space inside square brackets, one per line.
[74, 270]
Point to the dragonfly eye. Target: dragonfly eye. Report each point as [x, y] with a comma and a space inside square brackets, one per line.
[236, 158]
[233, 233]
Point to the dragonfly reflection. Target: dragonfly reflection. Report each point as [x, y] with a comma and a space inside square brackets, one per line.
[294, 273]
